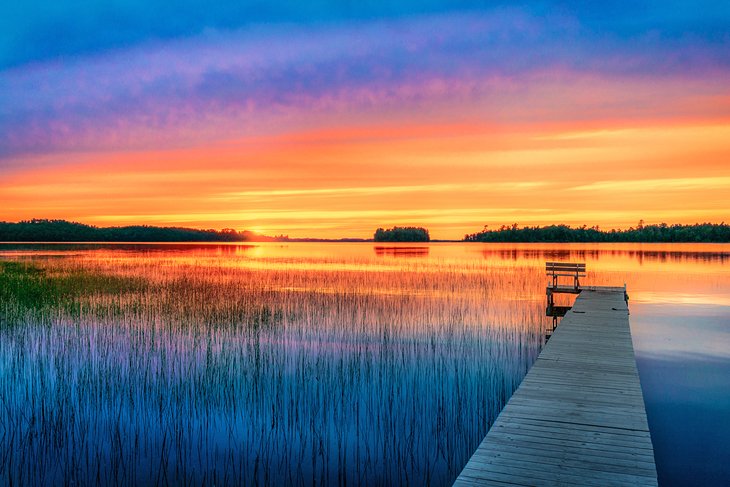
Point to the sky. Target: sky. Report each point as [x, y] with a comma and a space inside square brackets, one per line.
[333, 118]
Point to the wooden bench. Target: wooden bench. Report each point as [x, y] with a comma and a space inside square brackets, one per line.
[565, 269]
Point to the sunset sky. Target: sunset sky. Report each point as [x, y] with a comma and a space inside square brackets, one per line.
[330, 119]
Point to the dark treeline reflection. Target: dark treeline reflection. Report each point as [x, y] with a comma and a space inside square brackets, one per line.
[401, 251]
[598, 254]
[197, 248]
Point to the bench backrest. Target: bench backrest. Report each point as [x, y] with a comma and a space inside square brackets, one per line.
[578, 268]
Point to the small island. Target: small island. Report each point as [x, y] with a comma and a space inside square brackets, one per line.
[402, 234]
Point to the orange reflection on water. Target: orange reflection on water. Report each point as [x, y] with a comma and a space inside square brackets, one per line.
[681, 273]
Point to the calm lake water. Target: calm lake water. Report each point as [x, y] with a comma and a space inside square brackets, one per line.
[330, 363]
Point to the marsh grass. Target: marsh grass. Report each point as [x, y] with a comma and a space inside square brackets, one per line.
[188, 369]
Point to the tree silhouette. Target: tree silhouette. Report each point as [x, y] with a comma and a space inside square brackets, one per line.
[699, 232]
[402, 234]
[40, 230]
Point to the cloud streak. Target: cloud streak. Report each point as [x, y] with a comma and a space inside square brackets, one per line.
[673, 184]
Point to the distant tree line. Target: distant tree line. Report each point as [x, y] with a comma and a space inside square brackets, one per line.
[40, 230]
[402, 234]
[699, 232]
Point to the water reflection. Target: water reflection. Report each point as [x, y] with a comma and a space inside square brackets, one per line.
[285, 364]
[401, 251]
[680, 311]
[682, 253]
[203, 248]
[683, 354]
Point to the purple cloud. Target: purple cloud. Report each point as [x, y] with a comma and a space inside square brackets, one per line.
[262, 80]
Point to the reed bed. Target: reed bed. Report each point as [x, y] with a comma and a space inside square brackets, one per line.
[193, 368]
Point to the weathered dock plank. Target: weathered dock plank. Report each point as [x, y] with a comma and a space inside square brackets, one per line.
[578, 418]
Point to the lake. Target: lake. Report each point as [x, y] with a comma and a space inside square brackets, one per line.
[327, 363]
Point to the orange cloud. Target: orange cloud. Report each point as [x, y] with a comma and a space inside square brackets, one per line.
[347, 182]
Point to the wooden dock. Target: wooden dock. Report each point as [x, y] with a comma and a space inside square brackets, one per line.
[578, 417]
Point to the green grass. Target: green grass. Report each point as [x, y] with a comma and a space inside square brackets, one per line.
[29, 290]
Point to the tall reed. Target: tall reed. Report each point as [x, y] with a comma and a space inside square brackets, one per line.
[188, 367]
